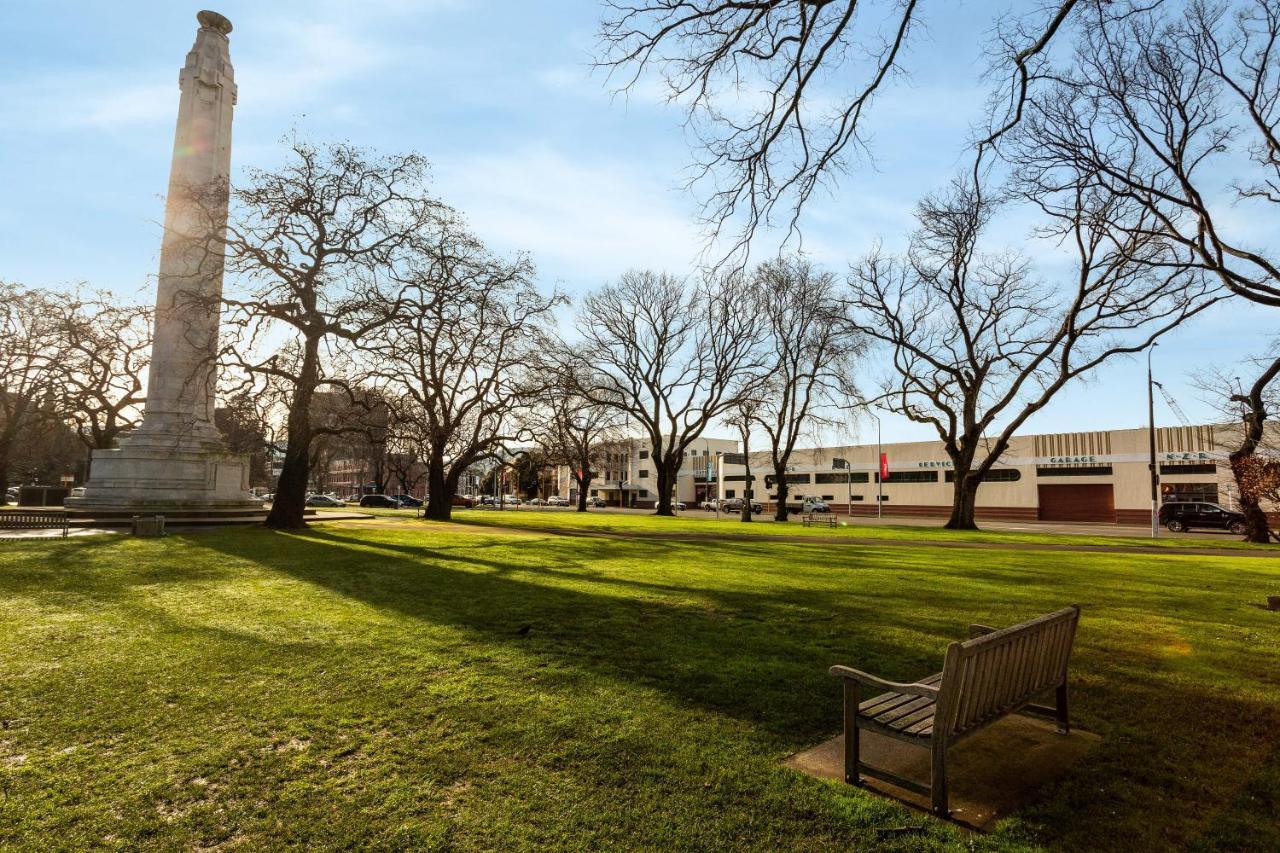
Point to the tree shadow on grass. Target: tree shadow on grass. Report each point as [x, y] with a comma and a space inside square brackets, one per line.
[760, 655]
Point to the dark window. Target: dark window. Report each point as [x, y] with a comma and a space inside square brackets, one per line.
[855, 497]
[644, 454]
[828, 497]
[644, 493]
[910, 477]
[728, 493]
[1207, 492]
[1189, 468]
[995, 475]
[769, 479]
[644, 472]
[735, 459]
[842, 477]
[738, 478]
[1074, 471]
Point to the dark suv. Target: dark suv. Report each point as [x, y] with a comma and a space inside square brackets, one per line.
[1184, 515]
[380, 502]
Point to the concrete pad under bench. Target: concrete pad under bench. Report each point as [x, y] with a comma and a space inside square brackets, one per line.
[991, 774]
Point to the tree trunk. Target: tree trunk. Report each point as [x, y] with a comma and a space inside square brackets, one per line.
[584, 483]
[288, 508]
[439, 491]
[666, 479]
[964, 502]
[784, 490]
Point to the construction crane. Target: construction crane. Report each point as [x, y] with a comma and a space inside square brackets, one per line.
[1173, 404]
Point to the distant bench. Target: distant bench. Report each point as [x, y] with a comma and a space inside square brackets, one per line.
[18, 520]
[824, 519]
[994, 674]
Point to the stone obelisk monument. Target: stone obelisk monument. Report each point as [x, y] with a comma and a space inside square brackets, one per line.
[175, 463]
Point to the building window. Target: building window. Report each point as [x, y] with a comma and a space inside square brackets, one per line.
[1206, 492]
[842, 477]
[644, 473]
[644, 493]
[1074, 471]
[803, 479]
[910, 477]
[739, 478]
[728, 493]
[1189, 468]
[995, 475]
[828, 497]
[595, 493]
[644, 454]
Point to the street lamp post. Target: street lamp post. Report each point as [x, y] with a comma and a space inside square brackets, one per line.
[1151, 436]
[719, 479]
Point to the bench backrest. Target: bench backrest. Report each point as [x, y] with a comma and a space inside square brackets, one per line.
[997, 672]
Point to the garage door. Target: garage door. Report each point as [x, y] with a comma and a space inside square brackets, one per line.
[1078, 502]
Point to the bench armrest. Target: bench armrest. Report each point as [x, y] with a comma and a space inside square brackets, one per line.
[914, 689]
[979, 630]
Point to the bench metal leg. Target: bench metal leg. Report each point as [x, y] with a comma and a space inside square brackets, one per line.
[1064, 720]
[938, 778]
[851, 743]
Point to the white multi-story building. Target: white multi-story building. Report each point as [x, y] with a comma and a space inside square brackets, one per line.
[628, 477]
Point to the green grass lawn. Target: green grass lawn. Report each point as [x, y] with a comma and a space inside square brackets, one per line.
[413, 686]
[700, 523]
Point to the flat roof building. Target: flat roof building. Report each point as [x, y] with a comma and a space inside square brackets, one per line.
[1099, 476]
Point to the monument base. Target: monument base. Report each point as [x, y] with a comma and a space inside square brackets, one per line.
[146, 478]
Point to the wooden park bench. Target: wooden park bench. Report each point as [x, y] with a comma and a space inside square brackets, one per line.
[819, 518]
[19, 520]
[995, 673]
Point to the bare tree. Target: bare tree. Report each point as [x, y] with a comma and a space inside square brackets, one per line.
[1254, 405]
[105, 349]
[744, 417]
[463, 331]
[809, 359]
[809, 71]
[671, 357]
[311, 244]
[29, 349]
[575, 431]
[1171, 109]
[978, 344]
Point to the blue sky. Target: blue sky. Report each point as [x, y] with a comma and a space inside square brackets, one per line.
[524, 139]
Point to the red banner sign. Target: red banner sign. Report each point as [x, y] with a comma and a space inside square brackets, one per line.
[884, 466]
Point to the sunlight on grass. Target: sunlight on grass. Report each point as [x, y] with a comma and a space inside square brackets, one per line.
[421, 687]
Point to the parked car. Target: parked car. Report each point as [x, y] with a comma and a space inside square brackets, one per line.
[735, 505]
[465, 501]
[556, 500]
[380, 502]
[598, 503]
[536, 502]
[1180, 516]
[408, 500]
[324, 500]
[678, 505]
[814, 505]
[709, 505]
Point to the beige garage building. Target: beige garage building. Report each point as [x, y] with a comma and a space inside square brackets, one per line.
[1074, 476]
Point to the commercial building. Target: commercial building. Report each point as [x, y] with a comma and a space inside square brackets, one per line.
[628, 477]
[1075, 476]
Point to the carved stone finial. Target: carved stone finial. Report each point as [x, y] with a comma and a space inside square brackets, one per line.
[214, 21]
